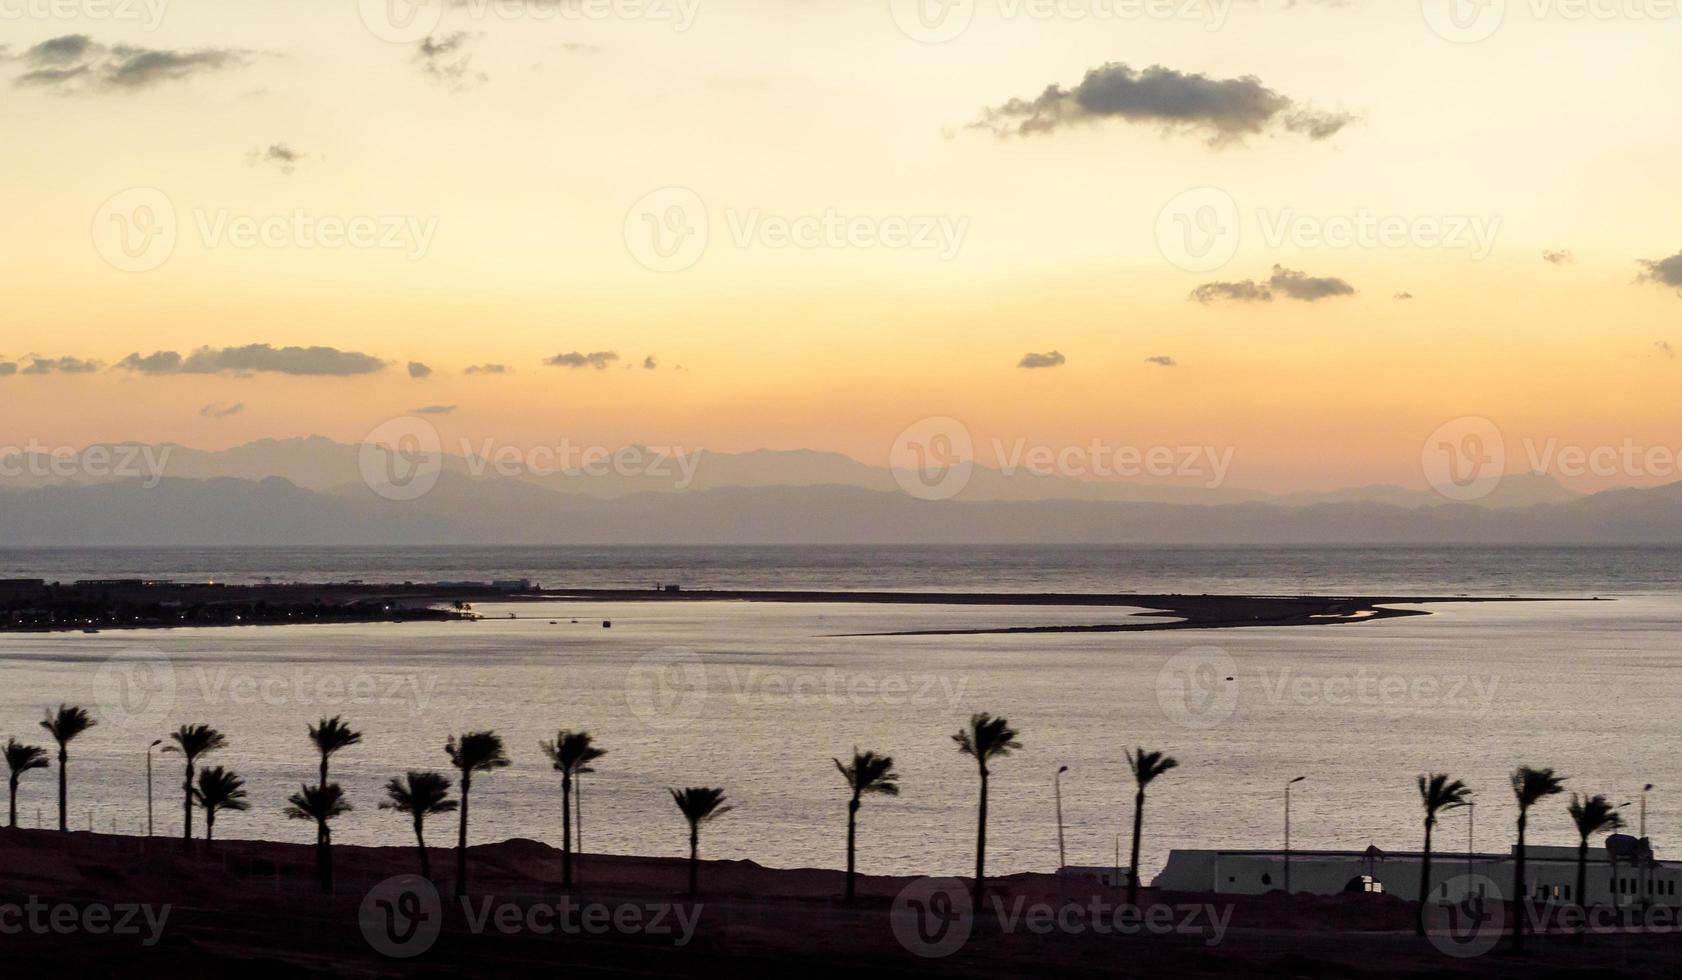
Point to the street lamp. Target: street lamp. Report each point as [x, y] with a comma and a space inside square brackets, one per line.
[155, 743]
[1643, 857]
[1057, 788]
[1471, 833]
[1288, 831]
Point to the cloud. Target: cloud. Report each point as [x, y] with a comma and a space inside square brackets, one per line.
[487, 369]
[1403, 296]
[1224, 110]
[648, 363]
[1663, 272]
[446, 59]
[1287, 282]
[7, 369]
[282, 157]
[418, 370]
[1049, 359]
[433, 410]
[218, 411]
[58, 365]
[596, 359]
[78, 63]
[254, 359]
[1162, 360]
[1558, 257]
[1663, 347]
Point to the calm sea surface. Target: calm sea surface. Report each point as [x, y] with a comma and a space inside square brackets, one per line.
[758, 697]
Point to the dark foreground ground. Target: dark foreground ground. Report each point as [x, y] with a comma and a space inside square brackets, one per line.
[94, 905]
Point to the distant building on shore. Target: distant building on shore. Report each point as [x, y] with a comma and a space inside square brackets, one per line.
[1623, 873]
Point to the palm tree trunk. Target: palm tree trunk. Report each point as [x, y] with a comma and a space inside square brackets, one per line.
[1133, 868]
[461, 840]
[325, 858]
[981, 845]
[13, 783]
[420, 842]
[1425, 878]
[63, 790]
[566, 830]
[1583, 885]
[1521, 900]
[694, 856]
[187, 810]
[209, 828]
[319, 831]
[852, 837]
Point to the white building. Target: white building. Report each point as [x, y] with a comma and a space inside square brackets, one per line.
[1624, 873]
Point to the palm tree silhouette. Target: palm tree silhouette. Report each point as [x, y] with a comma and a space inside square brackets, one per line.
[65, 724]
[1592, 815]
[20, 759]
[419, 794]
[571, 753]
[1436, 793]
[321, 804]
[218, 789]
[1529, 786]
[1146, 766]
[985, 738]
[867, 773]
[474, 752]
[329, 736]
[698, 805]
[192, 741]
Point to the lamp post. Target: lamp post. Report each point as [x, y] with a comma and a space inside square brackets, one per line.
[1471, 833]
[1288, 831]
[155, 743]
[1643, 856]
[1057, 789]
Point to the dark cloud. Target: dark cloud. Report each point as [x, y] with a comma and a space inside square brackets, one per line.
[77, 63]
[487, 369]
[219, 411]
[1287, 282]
[418, 370]
[649, 363]
[1223, 109]
[58, 365]
[1663, 347]
[1561, 256]
[255, 359]
[1403, 296]
[1162, 360]
[596, 359]
[433, 410]
[1662, 272]
[280, 156]
[7, 369]
[446, 59]
[1049, 359]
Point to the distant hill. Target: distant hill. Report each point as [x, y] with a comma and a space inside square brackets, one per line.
[462, 510]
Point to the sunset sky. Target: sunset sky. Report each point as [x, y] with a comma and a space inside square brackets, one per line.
[515, 158]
